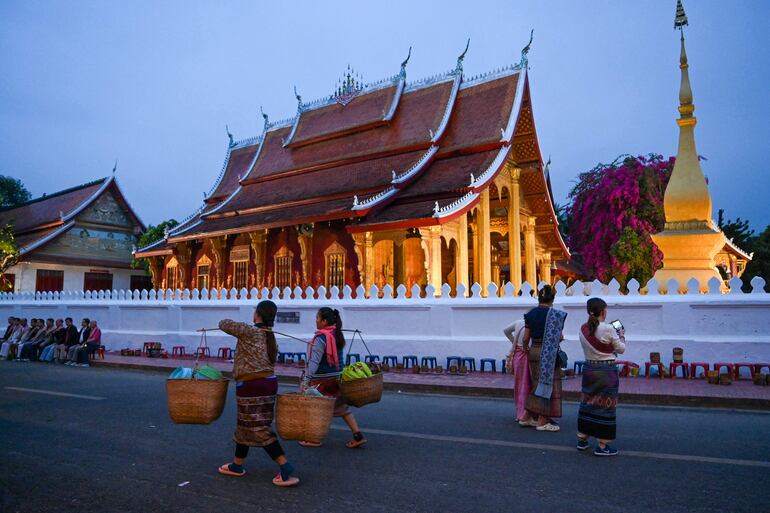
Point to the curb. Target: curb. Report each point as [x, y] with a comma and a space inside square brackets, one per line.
[496, 392]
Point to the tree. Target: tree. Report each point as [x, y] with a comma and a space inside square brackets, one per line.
[12, 192]
[760, 262]
[9, 254]
[739, 231]
[614, 208]
[153, 234]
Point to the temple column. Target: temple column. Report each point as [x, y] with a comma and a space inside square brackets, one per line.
[475, 241]
[259, 247]
[306, 255]
[545, 268]
[529, 243]
[485, 243]
[363, 245]
[514, 229]
[462, 252]
[432, 240]
[218, 245]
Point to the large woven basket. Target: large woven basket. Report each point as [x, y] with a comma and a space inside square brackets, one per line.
[360, 392]
[301, 417]
[196, 401]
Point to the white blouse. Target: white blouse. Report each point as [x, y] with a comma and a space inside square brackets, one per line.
[607, 334]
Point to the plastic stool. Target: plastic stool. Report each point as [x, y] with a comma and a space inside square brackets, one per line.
[502, 366]
[694, 367]
[350, 356]
[178, 351]
[759, 366]
[223, 353]
[371, 358]
[730, 368]
[146, 347]
[471, 364]
[492, 364]
[649, 365]
[450, 359]
[429, 361]
[391, 360]
[738, 367]
[410, 360]
[203, 351]
[676, 365]
[578, 367]
[288, 358]
[300, 357]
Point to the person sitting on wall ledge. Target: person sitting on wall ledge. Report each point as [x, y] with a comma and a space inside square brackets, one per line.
[85, 331]
[8, 349]
[92, 344]
[56, 338]
[27, 342]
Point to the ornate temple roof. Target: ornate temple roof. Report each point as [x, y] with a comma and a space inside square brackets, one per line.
[391, 154]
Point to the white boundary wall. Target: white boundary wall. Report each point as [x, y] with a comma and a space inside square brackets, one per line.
[732, 327]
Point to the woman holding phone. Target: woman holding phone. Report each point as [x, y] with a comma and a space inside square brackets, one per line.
[601, 343]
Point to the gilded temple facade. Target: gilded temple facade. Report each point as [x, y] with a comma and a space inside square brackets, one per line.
[438, 181]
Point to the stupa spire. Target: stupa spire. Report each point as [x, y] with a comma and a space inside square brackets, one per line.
[687, 196]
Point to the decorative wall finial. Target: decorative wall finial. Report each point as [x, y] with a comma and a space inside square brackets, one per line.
[436, 209]
[402, 74]
[115, 166]
[230, 136]
[524, 63]
[297, 96]
[680, 19]
[459, 67]
[264, 116]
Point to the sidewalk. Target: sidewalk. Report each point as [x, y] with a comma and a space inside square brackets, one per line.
[650, 391]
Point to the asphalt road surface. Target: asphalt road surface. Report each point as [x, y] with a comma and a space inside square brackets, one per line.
[95, 440]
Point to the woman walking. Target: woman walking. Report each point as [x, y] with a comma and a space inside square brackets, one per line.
[596, 416]
[542, 336]
[255, 390]
[518, 362]
[324, 369]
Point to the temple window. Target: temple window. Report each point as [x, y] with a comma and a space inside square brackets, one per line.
[241, 271]
[171, 281]
[283, 258]
[203, 277]
[334, 257]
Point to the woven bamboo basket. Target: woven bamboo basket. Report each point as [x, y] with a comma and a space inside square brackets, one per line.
[678, 355]
[360, 392]
[655, 357]
[301, 417]
[712, 377]
[196, 401]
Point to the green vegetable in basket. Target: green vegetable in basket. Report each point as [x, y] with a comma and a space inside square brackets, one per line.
[207, 372]
[358, 370]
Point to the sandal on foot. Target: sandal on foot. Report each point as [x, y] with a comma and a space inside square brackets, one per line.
[548, 427]
[225, 470]
[310, 444]
[279, 481]
[355, 443]
[528, 423]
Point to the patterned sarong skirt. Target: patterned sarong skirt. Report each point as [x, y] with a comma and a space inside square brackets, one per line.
[537, 405]
[596, 416]
[255, 399]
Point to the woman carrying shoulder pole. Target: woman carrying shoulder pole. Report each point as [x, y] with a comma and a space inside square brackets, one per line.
[324, 369]
[601, 342]
[255, 390]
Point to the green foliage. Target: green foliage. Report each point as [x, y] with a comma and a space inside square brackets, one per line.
[739, 231]
[760, 263]
[634, 255]
[9, 254]
[12, 192]
[153, 234]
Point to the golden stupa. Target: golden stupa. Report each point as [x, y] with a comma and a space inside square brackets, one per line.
[690, 240]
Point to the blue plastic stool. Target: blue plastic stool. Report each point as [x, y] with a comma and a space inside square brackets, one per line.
[409, 360]
[471, 364]
[350, 357]
[300, 357]
[390, 359]
[450, 359]
[429, 361]
[578, 367]
[371, 358]
[503, 365]
[492, 364]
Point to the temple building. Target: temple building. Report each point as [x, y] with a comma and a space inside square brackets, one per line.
[76, 239]
[435, 181]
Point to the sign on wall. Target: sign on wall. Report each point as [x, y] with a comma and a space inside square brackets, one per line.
[287, 317]
[239, 254]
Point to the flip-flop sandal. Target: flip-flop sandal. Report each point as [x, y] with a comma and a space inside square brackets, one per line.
[548, 427]
[528, 423]
[279, 481]
[310, 444]
[225, 470]
[353, 444]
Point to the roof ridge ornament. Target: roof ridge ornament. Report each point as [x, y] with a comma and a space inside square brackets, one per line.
[264, 116]
[459, 66]
[231, 144]
[402, 73]
[299, 99]
[680, 19]
[524, 63]
[351, 84]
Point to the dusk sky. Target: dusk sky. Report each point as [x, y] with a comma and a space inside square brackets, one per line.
[152, 84]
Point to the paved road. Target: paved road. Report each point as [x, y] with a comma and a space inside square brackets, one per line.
[109, 446]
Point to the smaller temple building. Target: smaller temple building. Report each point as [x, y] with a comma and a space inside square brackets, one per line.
[76, 239]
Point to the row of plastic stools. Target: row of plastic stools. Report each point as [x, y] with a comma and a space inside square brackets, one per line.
[688, 369]
[431, 362]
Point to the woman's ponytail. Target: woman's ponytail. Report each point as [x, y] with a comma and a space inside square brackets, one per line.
[266, 311]
[595, 306]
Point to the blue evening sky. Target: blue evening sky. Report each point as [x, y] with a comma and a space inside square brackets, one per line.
[154, 83]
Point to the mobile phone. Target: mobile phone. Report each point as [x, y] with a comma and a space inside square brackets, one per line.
[617, 325]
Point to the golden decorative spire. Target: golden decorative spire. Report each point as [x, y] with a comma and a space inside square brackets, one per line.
[687, 198]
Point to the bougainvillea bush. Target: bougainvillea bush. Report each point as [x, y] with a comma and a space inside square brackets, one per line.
[613, 210]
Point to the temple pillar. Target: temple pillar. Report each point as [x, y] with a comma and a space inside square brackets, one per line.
[485, 243]
[363, 245]
[475, 241]
[545, 268]
[431, 237]
[218, 245]
[259, 248]
[530, 253]
[462, 252]
[514, 229]
[306, 256]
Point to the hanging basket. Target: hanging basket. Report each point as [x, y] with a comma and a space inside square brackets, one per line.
[360, 392]
[196, 401]
[301, 417]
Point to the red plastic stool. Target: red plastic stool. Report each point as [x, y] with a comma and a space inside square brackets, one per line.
[203, 351]
[694, 367]
[178, 351]
[100, 352]
[649, 365]
[146, 347]
[223, 353]
[730, 368]
[759, 366]
[626, 367]
[738, 367]
[676, 365]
